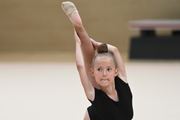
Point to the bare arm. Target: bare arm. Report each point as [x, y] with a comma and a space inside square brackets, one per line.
[85, 80]
[120, 64]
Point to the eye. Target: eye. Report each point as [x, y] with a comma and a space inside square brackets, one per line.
[109, 69]
[99, 69]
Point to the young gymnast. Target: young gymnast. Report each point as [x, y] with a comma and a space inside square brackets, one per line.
[102, 75]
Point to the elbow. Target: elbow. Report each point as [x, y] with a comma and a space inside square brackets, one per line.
[79, 66]
[115, 50]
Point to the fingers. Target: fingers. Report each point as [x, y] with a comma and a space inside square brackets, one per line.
[95, 43]
[92, 40]
[76, 38]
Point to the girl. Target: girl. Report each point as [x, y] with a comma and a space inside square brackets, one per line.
[103, 75]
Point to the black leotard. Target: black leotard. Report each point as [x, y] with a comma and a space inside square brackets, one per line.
[104, 108]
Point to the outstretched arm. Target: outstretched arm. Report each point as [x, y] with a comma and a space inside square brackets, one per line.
[85, 80]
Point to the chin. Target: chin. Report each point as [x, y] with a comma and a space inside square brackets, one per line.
[104, 84]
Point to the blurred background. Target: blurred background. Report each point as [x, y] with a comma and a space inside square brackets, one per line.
[41, 26]
[37, 46]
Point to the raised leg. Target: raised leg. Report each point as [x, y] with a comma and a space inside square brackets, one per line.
[86, 46]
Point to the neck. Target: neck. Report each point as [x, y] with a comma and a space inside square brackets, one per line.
[109, 90]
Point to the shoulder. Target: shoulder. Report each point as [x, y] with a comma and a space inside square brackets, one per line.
[122, 86]
[119, 80]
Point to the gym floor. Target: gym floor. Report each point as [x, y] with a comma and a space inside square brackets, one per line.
[46, 86]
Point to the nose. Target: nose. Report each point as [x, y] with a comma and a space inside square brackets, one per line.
[104, 73]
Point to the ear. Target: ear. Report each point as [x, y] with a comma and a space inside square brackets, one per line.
[92, 71]
[116, 71]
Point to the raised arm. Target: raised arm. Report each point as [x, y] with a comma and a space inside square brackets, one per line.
[85, 80]
[120, 64]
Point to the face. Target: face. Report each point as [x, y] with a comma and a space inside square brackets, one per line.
[104, 70]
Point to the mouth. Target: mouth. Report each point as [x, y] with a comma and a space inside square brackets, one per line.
[104, 80]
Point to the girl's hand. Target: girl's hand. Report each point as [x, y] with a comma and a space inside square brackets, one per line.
[76, 38]
[95, 44]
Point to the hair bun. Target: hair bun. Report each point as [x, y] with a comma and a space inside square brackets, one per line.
[102, 48]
